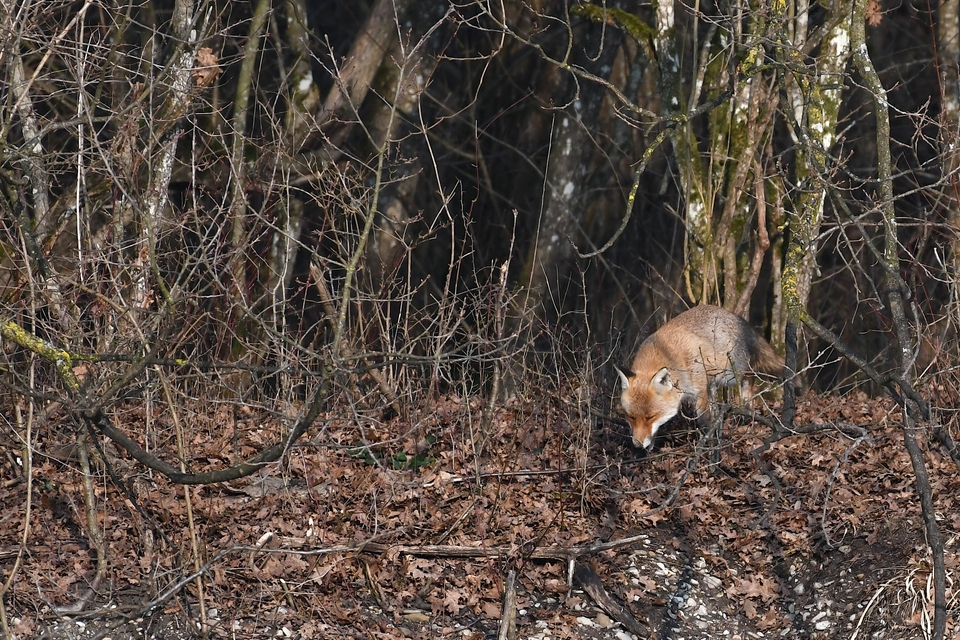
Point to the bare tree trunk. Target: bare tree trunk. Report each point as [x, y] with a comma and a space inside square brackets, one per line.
[36, 168]
[238, 162]
[304, 96]
[352, 82]
[894, 288]
[185, 34]
[700, 268]
[819, 114]
[549, 256]
[948, 51]
[404, 75]
[815, 103]
[557, 227]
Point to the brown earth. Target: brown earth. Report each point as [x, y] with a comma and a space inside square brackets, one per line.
[820, 536]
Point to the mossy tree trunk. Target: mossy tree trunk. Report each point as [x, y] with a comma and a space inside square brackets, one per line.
[726, 231]
[814, 98]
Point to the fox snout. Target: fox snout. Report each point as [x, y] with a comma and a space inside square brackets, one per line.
[644, 428]
[642, 437]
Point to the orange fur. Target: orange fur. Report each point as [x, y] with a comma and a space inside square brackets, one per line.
[686, 361]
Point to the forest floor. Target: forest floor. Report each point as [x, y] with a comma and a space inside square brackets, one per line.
[820, 535]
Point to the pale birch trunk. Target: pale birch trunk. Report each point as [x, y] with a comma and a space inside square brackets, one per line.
[179, 76]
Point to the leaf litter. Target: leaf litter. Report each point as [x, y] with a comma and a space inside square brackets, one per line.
[825, 539]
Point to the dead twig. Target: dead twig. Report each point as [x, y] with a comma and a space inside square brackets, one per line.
[94, 530]
[508, 615]
[587, 578]
[290, 544]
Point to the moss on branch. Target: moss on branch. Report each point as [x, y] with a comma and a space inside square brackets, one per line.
[60, 358]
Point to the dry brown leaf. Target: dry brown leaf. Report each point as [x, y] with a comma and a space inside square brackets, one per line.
[207, 68]
[451, 601]
[755, 586]
[770, 620]
[874, 13]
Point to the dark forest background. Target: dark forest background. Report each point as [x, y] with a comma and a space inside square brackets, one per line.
[438, 186]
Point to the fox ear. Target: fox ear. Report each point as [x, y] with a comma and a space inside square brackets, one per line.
[662, 380]
[624, 380]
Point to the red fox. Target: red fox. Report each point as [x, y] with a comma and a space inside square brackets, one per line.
[686, 361]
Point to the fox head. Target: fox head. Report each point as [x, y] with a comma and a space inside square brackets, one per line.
[649, 403]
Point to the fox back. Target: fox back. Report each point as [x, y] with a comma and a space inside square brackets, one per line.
[686, 361]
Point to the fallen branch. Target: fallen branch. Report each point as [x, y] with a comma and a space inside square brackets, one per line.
[508, 615]
[288, 544]
[590, 581]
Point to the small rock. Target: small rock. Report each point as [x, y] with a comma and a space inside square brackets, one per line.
[585, 622]
[712, 582]
[416, 616]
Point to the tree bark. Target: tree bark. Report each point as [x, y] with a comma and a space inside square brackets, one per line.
[894, 288]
